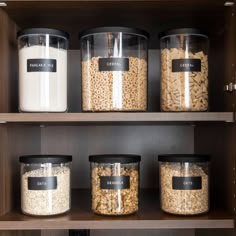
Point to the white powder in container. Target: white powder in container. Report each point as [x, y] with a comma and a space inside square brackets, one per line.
[42, 91]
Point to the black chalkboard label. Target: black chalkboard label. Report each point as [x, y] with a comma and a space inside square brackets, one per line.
[113, 64]
[41, 65]
[187, 183]
[115, 182]
[186, 65]
[42, 183]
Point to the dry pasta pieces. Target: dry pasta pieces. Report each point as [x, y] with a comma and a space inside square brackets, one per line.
[114, 69]
[184, 70]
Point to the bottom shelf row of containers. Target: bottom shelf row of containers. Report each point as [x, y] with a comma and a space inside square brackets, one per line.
[115, 178]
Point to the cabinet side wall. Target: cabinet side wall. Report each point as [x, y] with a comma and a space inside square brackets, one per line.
[14, 141]
[8, 65]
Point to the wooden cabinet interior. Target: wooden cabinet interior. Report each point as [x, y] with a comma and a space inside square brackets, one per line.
[148, 139]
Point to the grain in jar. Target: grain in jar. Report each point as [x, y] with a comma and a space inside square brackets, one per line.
[184, 70]
[184, 183]
[114, 69]
[115, 184]
[45, 184]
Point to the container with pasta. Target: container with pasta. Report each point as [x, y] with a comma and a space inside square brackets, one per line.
[184, 70]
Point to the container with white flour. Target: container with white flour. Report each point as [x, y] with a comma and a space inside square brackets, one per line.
[42, 70]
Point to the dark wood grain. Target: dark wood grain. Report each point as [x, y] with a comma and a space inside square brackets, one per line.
[20, 233]
[14, 141]
[8, 65]
[229, 54]
[149, 217]
[154, 16]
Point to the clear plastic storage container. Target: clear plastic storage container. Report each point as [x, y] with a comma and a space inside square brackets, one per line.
[45, 184]
[184, 70]
[114, 69]
[184, 183]
[115, 184]
[42, 70]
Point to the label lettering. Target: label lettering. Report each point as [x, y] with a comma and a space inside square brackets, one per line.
[186, 65]
[41, 65]
[115, 182]
[187, 183]
[42, 183]
[113, 64]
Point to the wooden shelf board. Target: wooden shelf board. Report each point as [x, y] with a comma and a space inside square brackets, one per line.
[116, 117]
[149, 217]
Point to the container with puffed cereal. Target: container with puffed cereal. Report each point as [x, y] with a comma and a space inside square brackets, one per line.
[184, 70]
[114, 66]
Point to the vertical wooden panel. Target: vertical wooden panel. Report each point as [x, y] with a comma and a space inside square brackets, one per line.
[4, 191]
[229, 41]
[14, 141]
[219, 142]
[166, 232]
[8, 65]
[218, 232]
[54, 233]
[148, 141]
[21, 233]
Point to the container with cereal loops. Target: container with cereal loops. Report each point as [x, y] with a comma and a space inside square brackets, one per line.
[114, 69]
[184, 183]
[184, 70]
[115, 184]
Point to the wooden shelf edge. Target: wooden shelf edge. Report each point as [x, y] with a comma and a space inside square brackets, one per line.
[149, 216]
[122, 224]
[116, 117]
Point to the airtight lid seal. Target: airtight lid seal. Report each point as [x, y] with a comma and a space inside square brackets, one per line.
[116, 158]
[183, 31]
[33, 31]
[184, 158]
[125, 30]
[41, 159]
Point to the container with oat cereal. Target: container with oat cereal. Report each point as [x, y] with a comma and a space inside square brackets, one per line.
[184, 70]
[114, 69]
[115, 184]
[184, 183]
[45, 184]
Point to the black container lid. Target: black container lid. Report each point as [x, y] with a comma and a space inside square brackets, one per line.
[115, 158]
[191, 31]
[127, 30]
[32, 31]
[54, 159]
[184, 158]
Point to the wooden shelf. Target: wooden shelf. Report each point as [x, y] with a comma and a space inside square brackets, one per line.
[149, 217]
[116, 117]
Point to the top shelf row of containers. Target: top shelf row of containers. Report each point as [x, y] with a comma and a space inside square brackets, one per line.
[114, 65]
